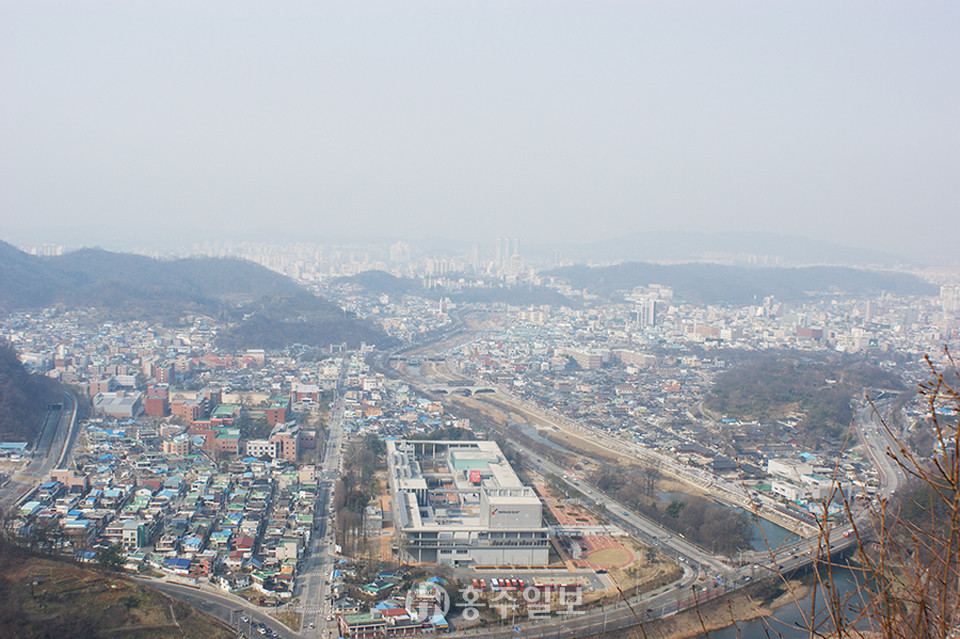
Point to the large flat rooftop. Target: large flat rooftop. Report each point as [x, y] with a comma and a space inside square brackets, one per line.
[457, 485]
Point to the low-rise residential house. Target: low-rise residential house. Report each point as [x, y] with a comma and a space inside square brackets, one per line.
[382, 622]
[234, 581]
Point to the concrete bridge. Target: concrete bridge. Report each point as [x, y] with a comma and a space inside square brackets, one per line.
[466, 389]
[415, 360]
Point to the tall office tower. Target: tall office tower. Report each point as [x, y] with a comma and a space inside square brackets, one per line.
[475, 257]
[950, 298]
[498, 260]
[399, 252]
[516, 247]
[647, 311]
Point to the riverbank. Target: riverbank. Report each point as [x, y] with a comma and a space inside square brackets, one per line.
[755, 602]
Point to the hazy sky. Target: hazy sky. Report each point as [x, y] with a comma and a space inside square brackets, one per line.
[548, 121]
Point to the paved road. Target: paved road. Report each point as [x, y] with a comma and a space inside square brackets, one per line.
[66, 440]
[53, 450]
[222, 606]
[634, 523]
[315, 583]
[640, 526]
[876, 426]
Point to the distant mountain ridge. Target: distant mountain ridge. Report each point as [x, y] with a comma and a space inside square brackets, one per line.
[717, 284]
[730, 247]
[267, 309]
[84, 276]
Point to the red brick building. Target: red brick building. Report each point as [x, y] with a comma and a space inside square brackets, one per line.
[104, 385]
[157, 403]
[287, 438]
[190, 409]
[305, 392]
[163, 374]
[214, 397]
[277, 412]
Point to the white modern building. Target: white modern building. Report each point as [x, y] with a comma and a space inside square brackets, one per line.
[789, 469]
[460, 503]
[261, 447]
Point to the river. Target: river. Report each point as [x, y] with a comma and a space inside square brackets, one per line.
[791, 620]
[762, 532]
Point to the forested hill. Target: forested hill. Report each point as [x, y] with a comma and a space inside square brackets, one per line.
[702, 283]
[94, 277]
[382, 283]
[23, 397]
[298, 318]
[263, 308]
[818, 387]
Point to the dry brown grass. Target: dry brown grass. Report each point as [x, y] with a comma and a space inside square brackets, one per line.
[44, 597]
[609, 558]
[290, 618]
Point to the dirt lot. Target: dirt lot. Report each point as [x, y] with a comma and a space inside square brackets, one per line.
[674, 486]
[609, 558]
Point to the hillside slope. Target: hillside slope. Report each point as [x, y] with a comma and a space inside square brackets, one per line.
[49, 598]
[23, 398]
[262, 308]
